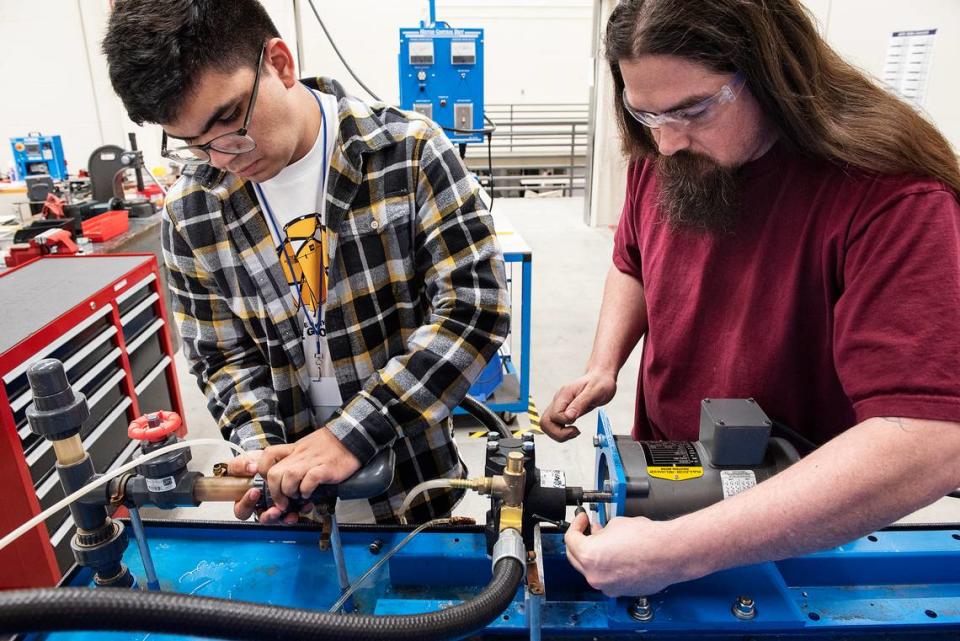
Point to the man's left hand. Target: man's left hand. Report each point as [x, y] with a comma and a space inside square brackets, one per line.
[297, 469]
[628, 557]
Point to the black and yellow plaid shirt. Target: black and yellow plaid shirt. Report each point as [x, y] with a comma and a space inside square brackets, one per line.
[417, 299]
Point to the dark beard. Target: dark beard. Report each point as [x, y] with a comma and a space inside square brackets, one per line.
[697, 194]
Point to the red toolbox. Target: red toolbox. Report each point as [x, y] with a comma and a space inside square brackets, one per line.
[107, 225]
[104, 318]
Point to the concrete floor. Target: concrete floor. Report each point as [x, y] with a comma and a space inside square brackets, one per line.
[570, 261]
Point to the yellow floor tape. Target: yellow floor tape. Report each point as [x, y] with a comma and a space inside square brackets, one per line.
[534, 426]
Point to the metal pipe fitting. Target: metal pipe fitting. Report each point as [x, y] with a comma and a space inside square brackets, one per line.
[493, 485]
[221, 488]
[514, 477]
[509, 544]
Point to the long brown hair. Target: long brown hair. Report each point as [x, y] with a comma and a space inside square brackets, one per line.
[822, 105]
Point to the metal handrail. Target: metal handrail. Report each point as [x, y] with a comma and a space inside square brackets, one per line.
[540, 134]
[531, 136]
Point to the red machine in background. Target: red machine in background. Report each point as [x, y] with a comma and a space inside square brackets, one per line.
[52, 241]
[97, 205]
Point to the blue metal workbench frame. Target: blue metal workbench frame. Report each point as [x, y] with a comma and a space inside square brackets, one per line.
[898, 583]
[520, 405]
[516, 253]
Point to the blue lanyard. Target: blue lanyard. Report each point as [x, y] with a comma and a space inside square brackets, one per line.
[313, 322]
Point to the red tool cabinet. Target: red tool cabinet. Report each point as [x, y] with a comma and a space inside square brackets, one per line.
[104, 317]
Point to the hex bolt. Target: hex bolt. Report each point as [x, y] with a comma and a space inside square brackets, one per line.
[641, 610]
[376, 546]
[744, 608]
[153, 420]
[493, 446]
[528, 446]
[596, 441]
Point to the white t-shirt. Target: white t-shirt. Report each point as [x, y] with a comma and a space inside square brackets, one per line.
[296, 219]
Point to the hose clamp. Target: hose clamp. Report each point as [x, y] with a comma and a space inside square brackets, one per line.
[509, 545]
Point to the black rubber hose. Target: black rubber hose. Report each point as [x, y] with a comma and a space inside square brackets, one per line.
[799, 441]
[59, 609]
[486, 416]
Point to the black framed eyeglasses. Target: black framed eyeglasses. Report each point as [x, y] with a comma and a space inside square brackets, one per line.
[236, 142]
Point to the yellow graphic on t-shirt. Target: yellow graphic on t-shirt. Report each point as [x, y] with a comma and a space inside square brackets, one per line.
[304, 249]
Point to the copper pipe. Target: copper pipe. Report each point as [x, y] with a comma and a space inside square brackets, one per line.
[221, 488]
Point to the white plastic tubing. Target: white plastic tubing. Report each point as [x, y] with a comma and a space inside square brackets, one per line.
[103, 480]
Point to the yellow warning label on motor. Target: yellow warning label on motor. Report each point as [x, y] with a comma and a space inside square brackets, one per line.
[675, 473]
[672, 460]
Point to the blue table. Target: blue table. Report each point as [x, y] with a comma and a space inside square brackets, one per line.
[901, 583]
[513, 394]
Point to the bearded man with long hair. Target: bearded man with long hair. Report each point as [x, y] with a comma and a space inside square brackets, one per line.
[791, 233]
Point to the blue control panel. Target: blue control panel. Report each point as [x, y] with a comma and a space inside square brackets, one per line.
[36, 155]
[441, 76]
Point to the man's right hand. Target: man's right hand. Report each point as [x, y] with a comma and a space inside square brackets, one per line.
[573, 401]
[245, 465]
[248, 464]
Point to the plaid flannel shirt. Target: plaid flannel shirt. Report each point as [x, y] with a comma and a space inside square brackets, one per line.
[416, 303]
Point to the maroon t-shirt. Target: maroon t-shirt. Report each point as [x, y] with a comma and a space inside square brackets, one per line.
[836, 299]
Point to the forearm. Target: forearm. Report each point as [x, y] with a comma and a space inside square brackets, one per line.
[623, 321]
[864, 479]
[420, 387]
[456, 254]
[239, 391]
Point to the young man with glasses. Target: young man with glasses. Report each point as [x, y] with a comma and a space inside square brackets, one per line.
[336, 278]
[791, 233]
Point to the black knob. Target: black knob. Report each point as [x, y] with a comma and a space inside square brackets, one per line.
[57, 412]
[47, 377]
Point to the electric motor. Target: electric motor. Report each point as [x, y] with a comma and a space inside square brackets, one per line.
[666, 479]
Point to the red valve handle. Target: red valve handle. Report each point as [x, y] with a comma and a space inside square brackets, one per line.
[154, 427]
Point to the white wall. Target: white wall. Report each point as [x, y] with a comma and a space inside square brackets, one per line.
[47, 84]
[537, 51]
[56, 78]
[608, 180]
[860, 31]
